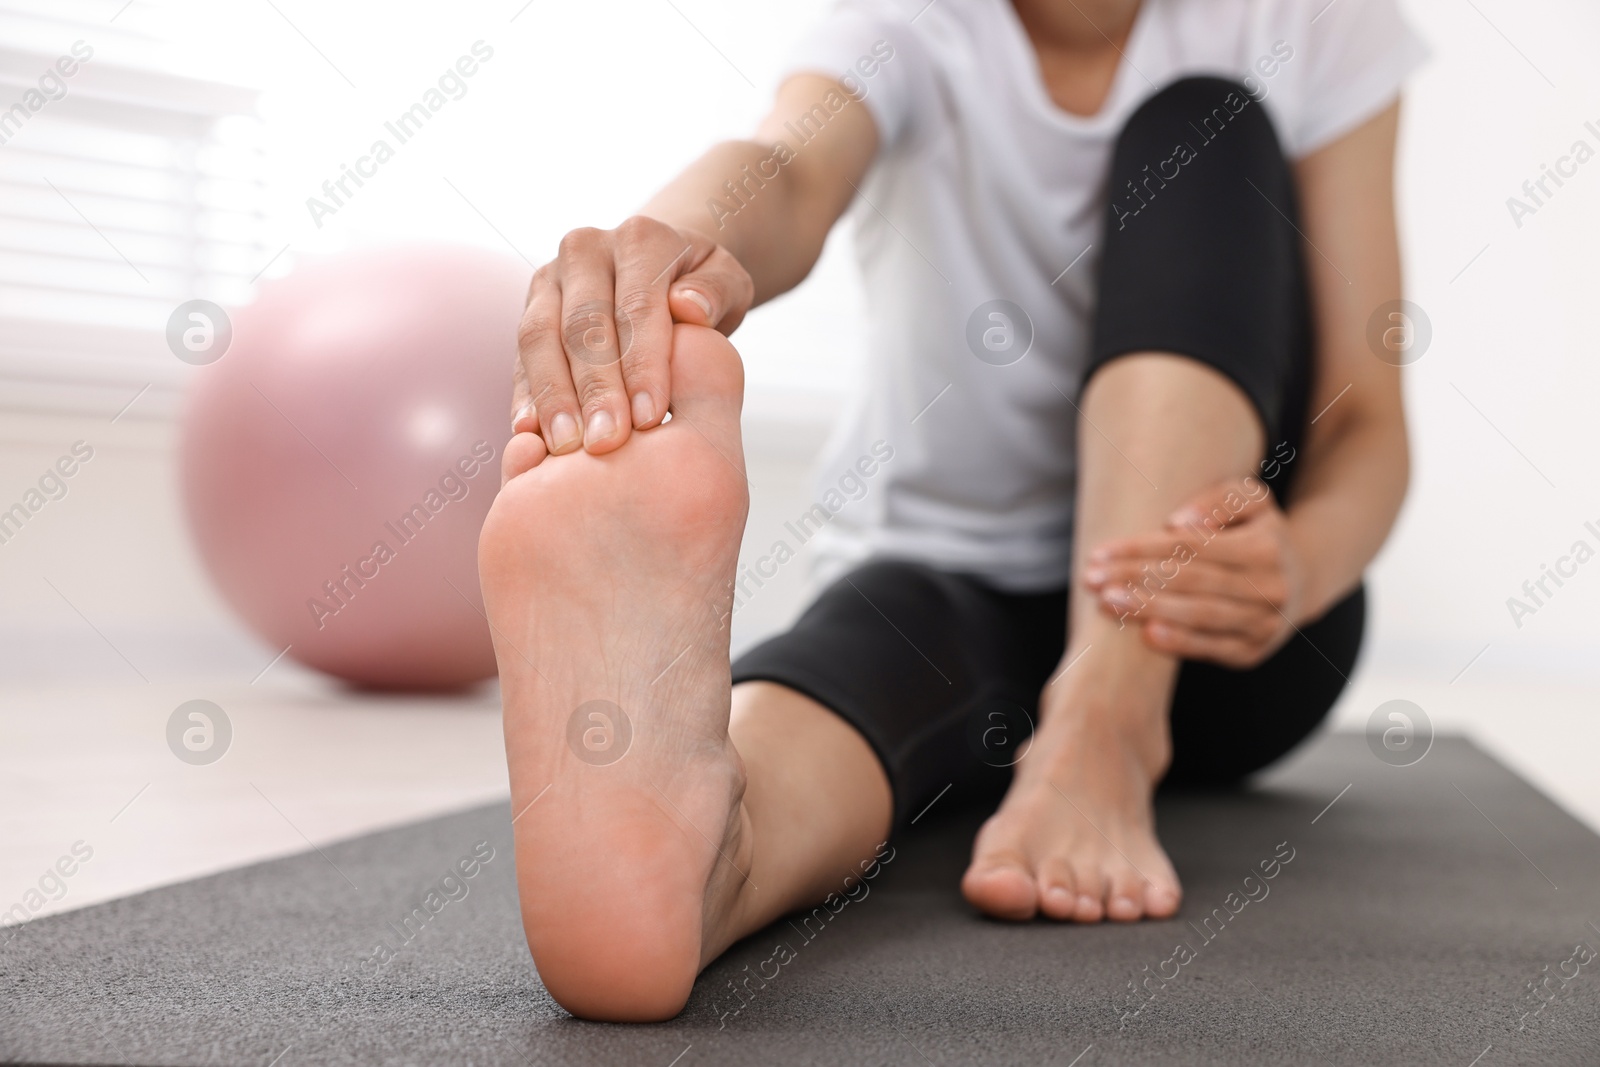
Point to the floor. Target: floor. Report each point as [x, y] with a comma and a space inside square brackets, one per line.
[309, 763]
[1343, 914]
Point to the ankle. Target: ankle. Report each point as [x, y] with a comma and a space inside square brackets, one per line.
[1143, 743]
[732, 897]
[1111, 708]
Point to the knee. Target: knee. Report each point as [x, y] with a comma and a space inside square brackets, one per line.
[1192, 119]
[1133, 379]
[1199, 108]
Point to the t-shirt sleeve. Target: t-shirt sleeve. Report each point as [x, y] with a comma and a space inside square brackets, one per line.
[871, 48]
[1358, 54]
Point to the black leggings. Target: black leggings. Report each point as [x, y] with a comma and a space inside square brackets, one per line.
[940, 672]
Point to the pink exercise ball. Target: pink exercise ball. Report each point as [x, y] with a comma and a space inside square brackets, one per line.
[339, 457]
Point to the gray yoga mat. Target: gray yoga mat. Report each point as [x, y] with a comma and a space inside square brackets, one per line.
[1417, 922]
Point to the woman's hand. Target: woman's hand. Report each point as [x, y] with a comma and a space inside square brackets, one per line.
[1223, 581]
[596, 333]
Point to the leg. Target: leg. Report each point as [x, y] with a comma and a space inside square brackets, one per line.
[607, 581]
[1201, 354]
[1075, 836]
[818, 802]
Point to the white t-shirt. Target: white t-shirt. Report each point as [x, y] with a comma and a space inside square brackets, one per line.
[984, 190]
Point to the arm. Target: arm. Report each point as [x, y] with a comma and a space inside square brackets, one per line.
[778, 225]
[1277, 567]
[741, 225]
[1357, 461]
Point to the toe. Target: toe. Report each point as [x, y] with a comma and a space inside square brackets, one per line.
[1161, 901]
[1125, 897]
[999, 882]
[1000, 886]
[1058, 896]
[1091, 907]
[708, 386]
[1163, 893]
[523, 452]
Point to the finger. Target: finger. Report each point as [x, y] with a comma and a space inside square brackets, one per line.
[1246, 548]
[1198, 578]
[1214, 615]
[1230, 651]
[549, 376]
[643, 318]
[711, 289]
[1252, 547]
[1158, 545]
[1232, 541]
[1250, 582]
[589, 335]
[1235, 500]
[1153, 568]
[524, 416]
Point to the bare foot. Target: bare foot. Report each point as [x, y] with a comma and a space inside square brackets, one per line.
[608, 584]
[1075, 836]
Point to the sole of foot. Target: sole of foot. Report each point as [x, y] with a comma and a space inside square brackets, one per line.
[608, 582]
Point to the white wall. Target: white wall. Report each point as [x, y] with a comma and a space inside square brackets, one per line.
[1513, 335]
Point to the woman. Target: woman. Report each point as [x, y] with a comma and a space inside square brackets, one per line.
[1125, 448]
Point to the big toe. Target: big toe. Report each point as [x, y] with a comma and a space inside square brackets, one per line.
[707, 380]
[999, 884]
[523, 452]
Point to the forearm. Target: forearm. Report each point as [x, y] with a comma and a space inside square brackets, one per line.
[773, 226]
[1345, 502]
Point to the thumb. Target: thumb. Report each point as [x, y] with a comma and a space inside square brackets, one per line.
[714, 293]
[689, 303]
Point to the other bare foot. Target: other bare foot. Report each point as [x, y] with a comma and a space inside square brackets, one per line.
[1075, 836]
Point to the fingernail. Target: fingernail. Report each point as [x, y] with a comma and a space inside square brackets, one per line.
[524, 412]
[601, 426]
[699, 299]
[564, 433]
[1094, 575]
[643, 408]
[1185, 517]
